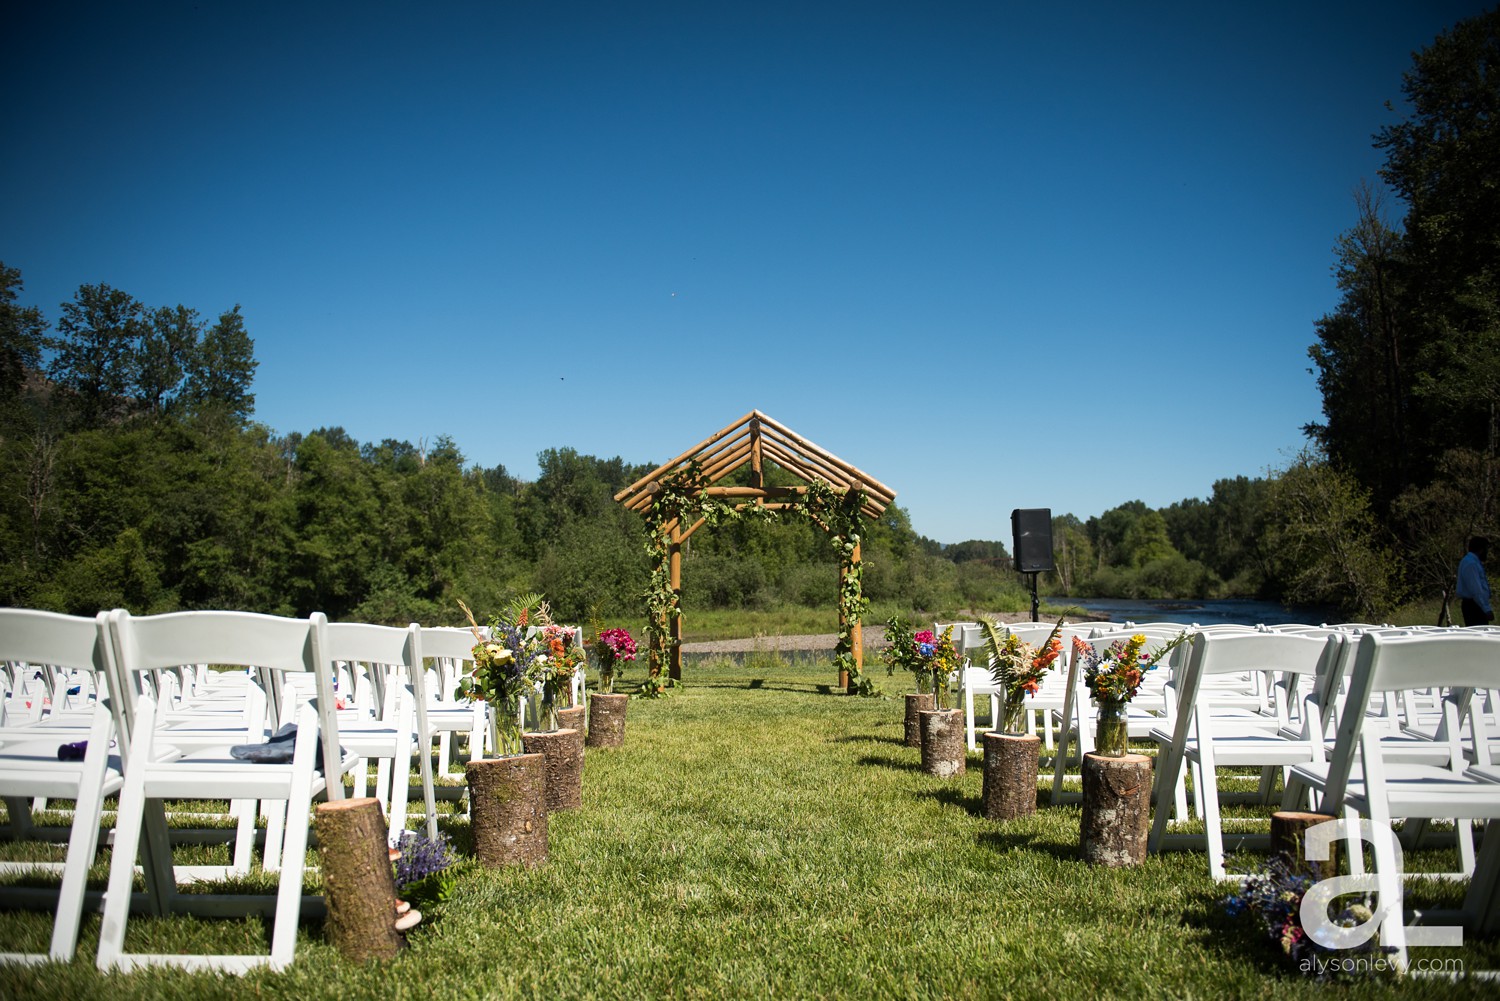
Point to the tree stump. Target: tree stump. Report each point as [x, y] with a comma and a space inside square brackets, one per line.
[563, 750]
[607, 720]
[508, 809]
[1116, 809]
[1010, 769]
[915, 703]
[572, 718]
[1289, 837]
[944, 752]
[358, 884]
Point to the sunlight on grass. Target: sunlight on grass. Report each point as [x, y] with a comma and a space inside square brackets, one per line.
[757, 838]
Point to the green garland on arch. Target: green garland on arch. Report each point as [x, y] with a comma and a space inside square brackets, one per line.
[684, 498]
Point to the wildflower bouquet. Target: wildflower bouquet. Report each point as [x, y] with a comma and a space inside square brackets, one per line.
[425, 870]
[939, 656]
[612, 647]
[1114, 677]
[1018, 668]
[563, 659]
[506, 665]
[1274, 896]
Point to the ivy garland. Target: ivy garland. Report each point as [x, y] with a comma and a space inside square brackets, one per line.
[685, 498]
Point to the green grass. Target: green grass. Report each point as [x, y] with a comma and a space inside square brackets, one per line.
[758, 838]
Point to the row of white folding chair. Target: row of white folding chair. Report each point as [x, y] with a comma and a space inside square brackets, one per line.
[124, 652]
[1360, 780]
[1207, 734]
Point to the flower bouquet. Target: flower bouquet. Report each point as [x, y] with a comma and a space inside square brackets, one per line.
[506, 665]
[1018, 668]
[1113, 677]
[1274, 895]
[612, 647]
[563, 659]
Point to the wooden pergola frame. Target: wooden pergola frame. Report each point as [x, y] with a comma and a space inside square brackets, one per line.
[752, 441]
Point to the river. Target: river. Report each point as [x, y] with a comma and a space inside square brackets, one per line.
[1230, 610]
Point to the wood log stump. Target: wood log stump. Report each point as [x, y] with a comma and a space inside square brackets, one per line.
[1011, 761]
[358, 884]
[572, 719]
[944, 752]
[508, 809]
[1116, 809]
[916, 703]
[1288, 837]
[607, 720]
[563, 750]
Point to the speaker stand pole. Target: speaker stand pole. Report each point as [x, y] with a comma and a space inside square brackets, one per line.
[1035, 604]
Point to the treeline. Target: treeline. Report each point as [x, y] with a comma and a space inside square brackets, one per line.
[131, 475]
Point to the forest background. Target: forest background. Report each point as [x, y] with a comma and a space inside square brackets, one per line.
[132, 473]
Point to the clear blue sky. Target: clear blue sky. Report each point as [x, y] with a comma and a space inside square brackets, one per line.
[996, 255]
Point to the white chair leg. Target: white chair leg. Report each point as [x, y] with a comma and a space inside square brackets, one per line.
[276, 830]
[299, 818]
[127, 842]
[83, 843]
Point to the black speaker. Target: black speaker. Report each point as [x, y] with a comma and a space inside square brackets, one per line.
[1031, 528]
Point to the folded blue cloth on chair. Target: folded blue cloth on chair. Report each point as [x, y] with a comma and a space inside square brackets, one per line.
[278, 750]
[73, 751]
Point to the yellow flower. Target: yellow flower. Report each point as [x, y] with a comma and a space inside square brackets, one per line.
[498, 652]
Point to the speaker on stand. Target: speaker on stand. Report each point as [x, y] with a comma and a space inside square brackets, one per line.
[1031, 531]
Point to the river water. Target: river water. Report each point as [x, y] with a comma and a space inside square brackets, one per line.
[1232, 610]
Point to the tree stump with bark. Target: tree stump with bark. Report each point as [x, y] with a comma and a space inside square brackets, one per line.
[607, 720]
[358, 884]
[1116, 809]
[563, 750]
[1011, 761]
[572, 718]
[944, 752]
[508, 809]
[916, 702]
[1289, 837]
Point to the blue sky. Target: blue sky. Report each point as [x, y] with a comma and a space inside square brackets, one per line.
[995, 255]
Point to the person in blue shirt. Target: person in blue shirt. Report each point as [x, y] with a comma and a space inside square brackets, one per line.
[1473, 586]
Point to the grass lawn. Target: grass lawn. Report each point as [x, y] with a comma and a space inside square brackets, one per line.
[757, 837]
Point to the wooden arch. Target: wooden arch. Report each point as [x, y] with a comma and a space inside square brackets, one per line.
[750, 442]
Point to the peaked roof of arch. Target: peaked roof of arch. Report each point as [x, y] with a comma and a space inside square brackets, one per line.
[750, 441]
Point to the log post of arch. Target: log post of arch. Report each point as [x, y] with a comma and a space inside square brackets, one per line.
[674, 639]
[856, 629]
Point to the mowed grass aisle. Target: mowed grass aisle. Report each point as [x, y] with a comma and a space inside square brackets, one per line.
[759, 838]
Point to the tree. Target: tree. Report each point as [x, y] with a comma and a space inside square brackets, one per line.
[96, 350]
[1325, 544]
[1361, 359]
[1441, 160]
[22, 335]
[222, 369]
[166, 351]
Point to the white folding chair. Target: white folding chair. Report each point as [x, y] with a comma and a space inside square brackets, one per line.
[392, 658]
[1361, 780]
[452, 653]
[273, 645]
[31, 767]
